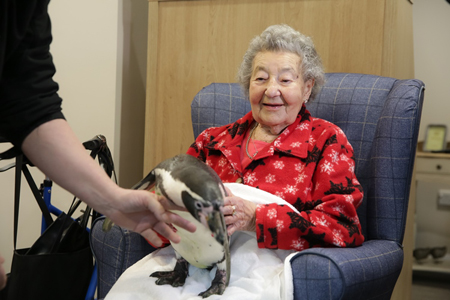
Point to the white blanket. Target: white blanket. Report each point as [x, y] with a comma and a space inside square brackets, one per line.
[255, 273]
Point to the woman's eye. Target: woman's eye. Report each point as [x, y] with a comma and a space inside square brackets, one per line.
[287, 78]
[260, 78]
[286, 81]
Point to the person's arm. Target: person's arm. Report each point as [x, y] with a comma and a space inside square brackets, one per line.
[56, 151]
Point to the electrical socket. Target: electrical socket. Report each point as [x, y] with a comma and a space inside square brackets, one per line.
[444, 198]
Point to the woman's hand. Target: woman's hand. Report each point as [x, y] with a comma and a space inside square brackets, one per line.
[240, 214]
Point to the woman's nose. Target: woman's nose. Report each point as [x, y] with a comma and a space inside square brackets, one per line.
[273, 89]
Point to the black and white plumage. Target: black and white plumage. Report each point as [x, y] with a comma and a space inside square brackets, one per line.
[190, 183]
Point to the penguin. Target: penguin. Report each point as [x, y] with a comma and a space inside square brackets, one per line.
[190, 183]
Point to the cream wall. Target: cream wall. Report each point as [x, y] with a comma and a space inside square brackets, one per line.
[99, 49]
[432, 60]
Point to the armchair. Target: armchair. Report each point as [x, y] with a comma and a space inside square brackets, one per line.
[380, 117]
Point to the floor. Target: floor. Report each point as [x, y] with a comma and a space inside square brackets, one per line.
[428, 286]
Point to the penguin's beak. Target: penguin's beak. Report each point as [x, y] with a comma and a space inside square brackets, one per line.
[206, 215]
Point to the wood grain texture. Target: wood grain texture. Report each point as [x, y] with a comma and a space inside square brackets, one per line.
[151, 89]
[398, 52]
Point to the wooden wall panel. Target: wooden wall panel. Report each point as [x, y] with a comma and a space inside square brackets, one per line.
[152, 73]
[398, 52]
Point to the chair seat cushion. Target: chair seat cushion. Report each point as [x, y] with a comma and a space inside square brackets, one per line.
[366, 272]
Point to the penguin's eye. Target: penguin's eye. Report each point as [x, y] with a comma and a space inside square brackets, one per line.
[198, 205]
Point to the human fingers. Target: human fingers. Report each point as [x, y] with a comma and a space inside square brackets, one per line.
[229, 193]
[181, 222]
[173, 218]
[167, 231]
[231, 229]
[152, 237]
[229, 210]
[233, 220]
[2, 273]
[229, 220]
[230, 205]
[160, 209]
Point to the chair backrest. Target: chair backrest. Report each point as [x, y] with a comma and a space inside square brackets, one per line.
[380, 117]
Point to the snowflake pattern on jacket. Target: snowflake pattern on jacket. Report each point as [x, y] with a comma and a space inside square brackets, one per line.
[310, 165]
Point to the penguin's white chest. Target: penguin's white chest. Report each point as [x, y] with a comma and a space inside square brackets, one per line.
[200, 248]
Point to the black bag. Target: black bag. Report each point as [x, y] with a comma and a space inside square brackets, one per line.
[58, 265]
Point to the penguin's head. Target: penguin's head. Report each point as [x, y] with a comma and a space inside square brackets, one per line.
[208, 212]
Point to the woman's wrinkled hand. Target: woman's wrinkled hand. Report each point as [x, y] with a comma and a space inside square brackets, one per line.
[240, 214]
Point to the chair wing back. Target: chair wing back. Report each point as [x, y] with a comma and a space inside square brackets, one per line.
[380, 117]
[216, 105]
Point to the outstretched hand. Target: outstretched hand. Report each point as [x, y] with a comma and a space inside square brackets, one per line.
[147, 214]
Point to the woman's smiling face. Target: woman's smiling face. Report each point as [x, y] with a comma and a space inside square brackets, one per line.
[277, 89]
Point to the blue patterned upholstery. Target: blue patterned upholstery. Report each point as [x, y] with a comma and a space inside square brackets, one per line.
[114, 252]
[380, 117]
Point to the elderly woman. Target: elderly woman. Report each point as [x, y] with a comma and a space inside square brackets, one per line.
[280, 148]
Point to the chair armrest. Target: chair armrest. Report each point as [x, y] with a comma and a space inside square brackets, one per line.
[115, 251]
[366, 272]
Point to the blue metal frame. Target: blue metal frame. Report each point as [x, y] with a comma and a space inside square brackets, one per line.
[47, 196]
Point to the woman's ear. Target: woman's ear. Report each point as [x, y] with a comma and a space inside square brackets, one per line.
[309, 84]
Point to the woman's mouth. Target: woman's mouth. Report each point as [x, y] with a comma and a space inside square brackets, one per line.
[272, 106]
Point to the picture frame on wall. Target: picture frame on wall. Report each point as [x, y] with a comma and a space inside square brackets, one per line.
[435, 138]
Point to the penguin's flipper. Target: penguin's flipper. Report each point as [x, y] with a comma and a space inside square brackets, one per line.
[175, 278]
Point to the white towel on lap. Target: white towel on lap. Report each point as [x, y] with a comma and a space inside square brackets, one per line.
[255, 273]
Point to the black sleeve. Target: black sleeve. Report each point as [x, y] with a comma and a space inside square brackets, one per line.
[28, 94]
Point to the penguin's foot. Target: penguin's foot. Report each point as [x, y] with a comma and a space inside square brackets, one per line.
[218, 285]
[175, 278]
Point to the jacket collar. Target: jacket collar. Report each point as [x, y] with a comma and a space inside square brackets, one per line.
[293, 141]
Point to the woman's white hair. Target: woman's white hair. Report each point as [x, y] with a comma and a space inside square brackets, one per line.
[285, 39]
